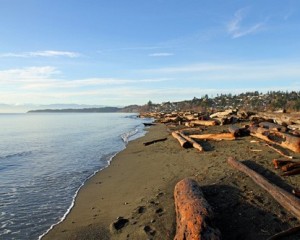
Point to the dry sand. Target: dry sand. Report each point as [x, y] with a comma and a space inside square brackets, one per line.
[138, 187]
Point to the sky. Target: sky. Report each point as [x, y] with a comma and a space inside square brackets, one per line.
[122, 52]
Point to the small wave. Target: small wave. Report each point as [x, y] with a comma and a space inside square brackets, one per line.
[126, 136]
[76, 193]
[20, 154]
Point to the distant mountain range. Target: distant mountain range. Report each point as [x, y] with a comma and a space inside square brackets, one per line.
[80, 110]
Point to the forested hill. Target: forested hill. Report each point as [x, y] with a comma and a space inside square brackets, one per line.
[82, 110]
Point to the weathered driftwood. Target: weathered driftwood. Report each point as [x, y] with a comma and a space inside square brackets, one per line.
[291, 173]
[296, 192]
[155, 141]
[284, 198]
[278, 163]
[204, 122]
[183, 142]
[214, 136]
[194, 215]
[283, 139]
[294, 127]
[192, 142]
[222, 114]
[272, 126]
[279, 151]
[280, 118]
[234, 130]
[285, 233]
[290, 166]
[149, 124]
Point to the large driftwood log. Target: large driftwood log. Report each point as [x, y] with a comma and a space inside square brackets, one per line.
[222, 114]
[214, 136]
[280, 118]
[272, 126]
[192, 142]
[193, 213]
[182, 141]
[282, 139]
[204, 122]
[284, 198]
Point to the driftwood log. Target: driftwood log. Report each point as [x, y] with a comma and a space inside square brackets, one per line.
[204, 122]
[272, 126]
[282, 139]
[214, 136]
[192, 142]
[155, 141]
[291, 173]
[182, 141]
[290, 166]
[284, 198]
[278, 163]
[279, 151]
[194, 215]
[280, 118]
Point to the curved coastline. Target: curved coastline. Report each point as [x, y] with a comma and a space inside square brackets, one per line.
[126, 137]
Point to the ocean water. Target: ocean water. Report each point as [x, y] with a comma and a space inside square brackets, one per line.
[46, 158]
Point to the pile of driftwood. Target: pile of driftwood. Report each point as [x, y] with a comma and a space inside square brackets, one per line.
[288, 167]
[191, 119]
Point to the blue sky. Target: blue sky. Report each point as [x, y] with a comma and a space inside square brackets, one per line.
[122, 52]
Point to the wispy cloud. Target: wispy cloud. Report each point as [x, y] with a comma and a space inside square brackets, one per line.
[161, 54]
[261, 71]
[137, 48]
[47, 53]
[47, 78]
[237, 29]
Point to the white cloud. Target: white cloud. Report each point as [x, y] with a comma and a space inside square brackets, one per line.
[161, 54]
[236, 29]
[47, 78]
[27, 75]
[262, 71]
[47, 53]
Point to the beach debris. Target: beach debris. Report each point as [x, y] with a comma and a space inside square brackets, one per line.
[282, 139]
[235, 130]
[285, 233]
[290, 166]
[192, 142]
[279, 118]
[272, 126]
[155, 141]
[294, 127]
[214, 136]
[291, 172]
[284, 198]
[296, 192]
[278, 163]
[279, 151]
[119, 224]
[194, 216]
[182, 141]
[149, 124]
[204, 123]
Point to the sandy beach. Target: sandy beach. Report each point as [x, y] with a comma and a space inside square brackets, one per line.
[137, 188]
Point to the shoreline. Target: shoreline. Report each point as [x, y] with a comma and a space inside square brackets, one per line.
[126, 137]
[137, 188]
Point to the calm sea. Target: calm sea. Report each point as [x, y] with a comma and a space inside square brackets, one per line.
[46, 158]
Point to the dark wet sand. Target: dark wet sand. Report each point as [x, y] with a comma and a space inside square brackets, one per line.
[138, 186]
